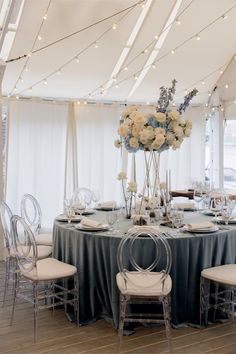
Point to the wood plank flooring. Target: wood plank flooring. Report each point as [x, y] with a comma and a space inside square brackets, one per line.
[56, 335]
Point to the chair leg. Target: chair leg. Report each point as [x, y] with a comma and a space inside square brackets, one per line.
[35, 290]
[6, 283]
[123, 301]
[15, 291]
[76, 298]
[166, 302]
[53, 297]
[204, 301]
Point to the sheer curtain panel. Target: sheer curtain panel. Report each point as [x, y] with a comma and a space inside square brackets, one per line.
[98, 158]
[36, 155]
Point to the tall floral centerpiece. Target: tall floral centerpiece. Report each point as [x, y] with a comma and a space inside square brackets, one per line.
[154, 133]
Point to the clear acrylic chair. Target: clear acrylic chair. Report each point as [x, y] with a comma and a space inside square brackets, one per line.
[83, 196]
[44, 251]
[223, 297]
[143, 284]
[44, 283]
[32, 214]
[10, 261]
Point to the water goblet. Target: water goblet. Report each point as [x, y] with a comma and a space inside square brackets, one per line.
[216, 206]
[111, 217]
[198, 197]
[177, 219]
[70, 213]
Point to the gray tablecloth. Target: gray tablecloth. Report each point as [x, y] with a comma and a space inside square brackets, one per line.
[94, 254]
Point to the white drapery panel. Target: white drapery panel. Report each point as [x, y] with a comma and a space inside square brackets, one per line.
[98, 159]
[36, 155]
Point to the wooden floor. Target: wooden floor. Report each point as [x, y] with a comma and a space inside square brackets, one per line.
[56, 335]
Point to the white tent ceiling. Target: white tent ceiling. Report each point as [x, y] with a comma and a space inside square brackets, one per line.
[193, 62]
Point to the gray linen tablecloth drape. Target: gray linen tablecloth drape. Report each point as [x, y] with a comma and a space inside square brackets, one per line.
[94, 254]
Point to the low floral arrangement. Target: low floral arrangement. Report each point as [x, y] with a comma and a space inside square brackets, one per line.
[156, 131]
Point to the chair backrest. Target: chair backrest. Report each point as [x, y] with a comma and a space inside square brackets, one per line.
[24, 244]
[31, 212]
[6, 215]
[133, 254]
[83, 195]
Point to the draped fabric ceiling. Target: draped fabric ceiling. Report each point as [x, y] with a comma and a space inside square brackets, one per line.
[194, 64]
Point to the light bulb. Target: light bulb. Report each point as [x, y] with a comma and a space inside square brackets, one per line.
[59, 72]
[126, 68]
[203, 82]
[235, 101]
[153, 66]
[77, 60]
[26, 68]
[29, 54]
[39, 37]
[135, 77]
[172, 52]
[45, 17]
[21, 80]
[198, 37]
[114, 26]
[96, 45]
[45, 82]
[156, 36]
[226, 86]
[17, 97]
[178, 21]
[116, 86]
[85, 102]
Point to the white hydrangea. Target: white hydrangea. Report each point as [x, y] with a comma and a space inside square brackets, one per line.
[160, 117]
[174, 115]
[132, 187]
[122, 175]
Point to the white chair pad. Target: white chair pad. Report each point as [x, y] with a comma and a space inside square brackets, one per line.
[44, 239]
[225, 274]
[50, 269]
[144, 284]
[43, 251]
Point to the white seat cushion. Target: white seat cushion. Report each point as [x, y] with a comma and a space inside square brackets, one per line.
[225, 274]
[43, 251]
[44, 239]
[144, 284]
[50, 269]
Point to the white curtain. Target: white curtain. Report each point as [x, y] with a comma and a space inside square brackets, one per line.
[98, 158]
[36, 155]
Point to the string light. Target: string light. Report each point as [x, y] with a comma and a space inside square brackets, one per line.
[135, 77]
[235, 101]
[116, 86]
[78, 102]
[226, 86]
[96, 45]
[126, 68]
[114, 26]
[39, 37]
[45, 17]
[17, 97]
[203, 82]
[85, 102]
[77, 60]
[21, 79]
[198, 37]
[26, 68]
[45, 82]
[59, 72]
[172, 52]
[145, 51]
[153, 66]
[156, 37]
[224, 17]
[209, 94]
[178, 21]
[29, 54]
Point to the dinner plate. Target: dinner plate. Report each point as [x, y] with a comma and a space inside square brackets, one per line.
[86, 212]
[103, 227]
[203, 231]
[107, 208]
[76, 218]
[208, 212]
[222, 221]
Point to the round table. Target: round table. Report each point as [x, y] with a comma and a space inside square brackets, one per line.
[94, 254]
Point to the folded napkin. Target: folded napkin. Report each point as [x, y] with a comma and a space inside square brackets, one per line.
[90, 223]
[184, 205]
[199, 226]
[111, 204]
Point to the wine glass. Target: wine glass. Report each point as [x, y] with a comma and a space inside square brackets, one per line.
[111, 217]
[177, 218]
[198, 196]
[217, 204]
[81, 206]
[96, 196]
